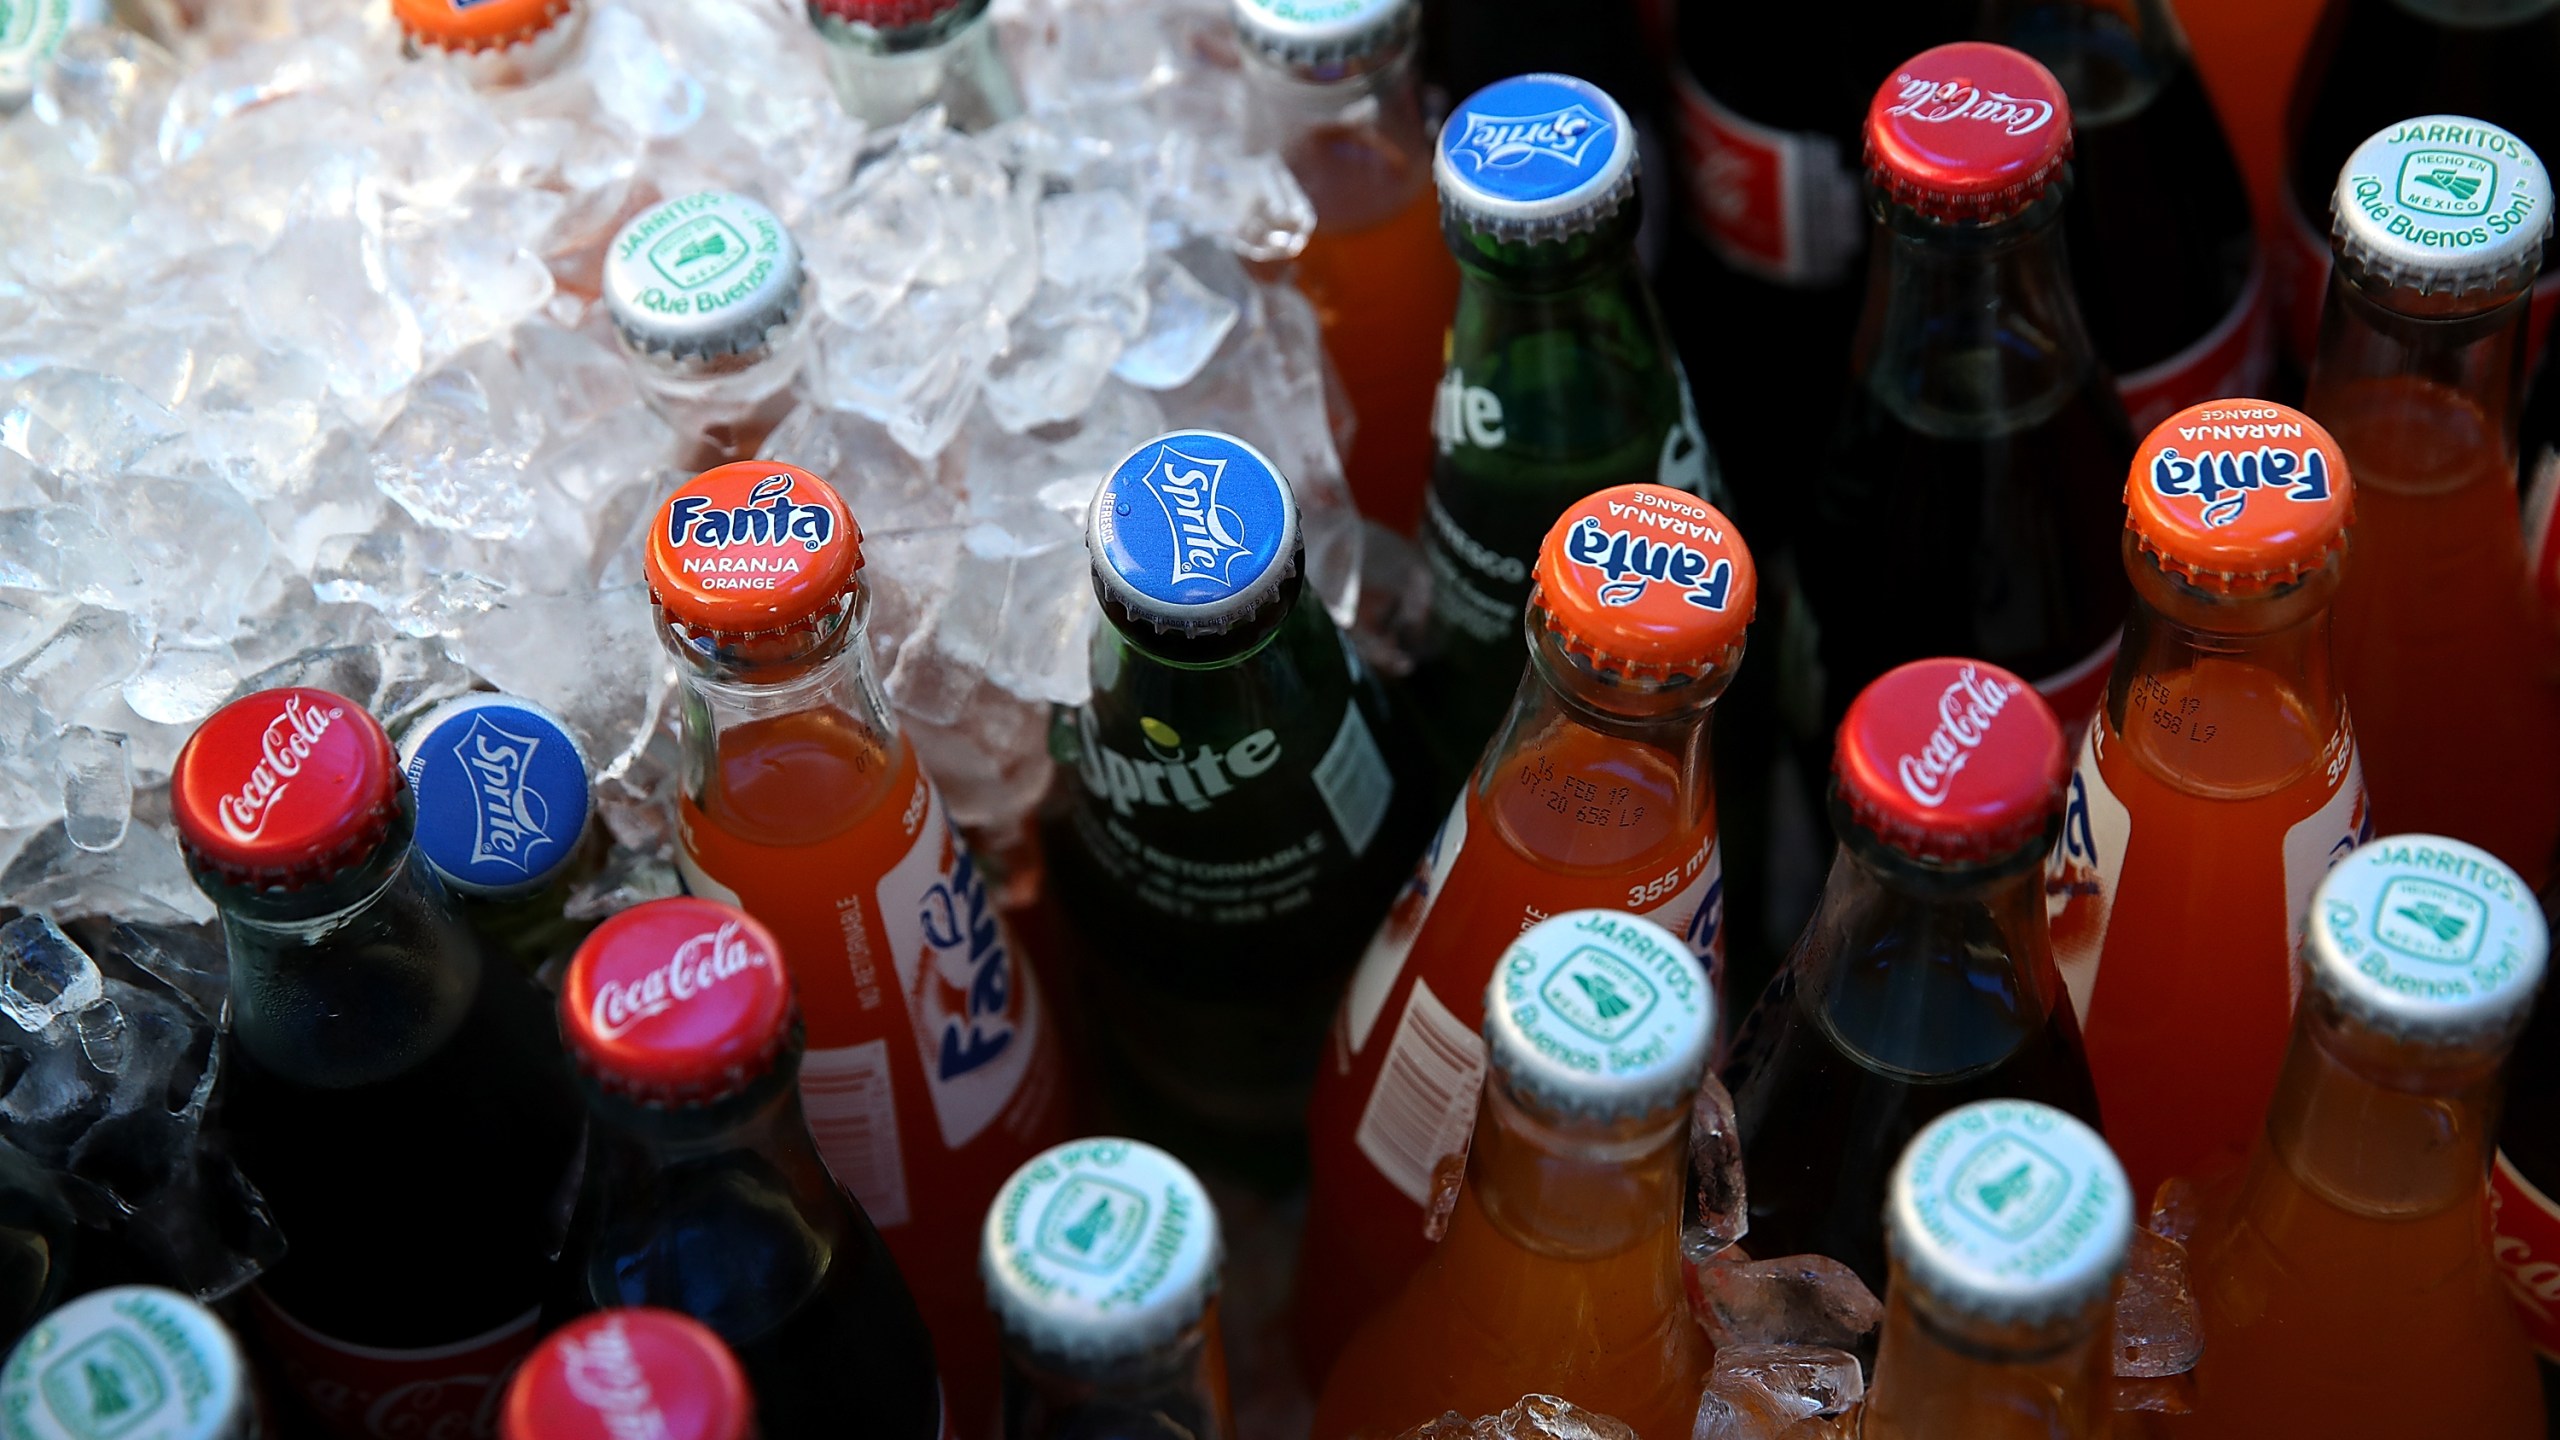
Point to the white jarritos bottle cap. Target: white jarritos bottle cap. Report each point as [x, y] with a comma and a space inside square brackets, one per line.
[30, 31]
[1535, 157]
[135, 1362]
[2443, 202]
[2009, 1212]
[703, 276]
[1324, 39]
[1600, 1014]
[2426, 939]
[1100, 1250]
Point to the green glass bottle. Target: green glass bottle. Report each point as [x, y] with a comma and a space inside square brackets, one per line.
[1560, 381]
[1240, 806]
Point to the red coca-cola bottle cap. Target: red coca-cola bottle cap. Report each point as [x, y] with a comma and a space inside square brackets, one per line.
[284, 788]
[1951, 761]
[752, 547]
[1968, 131]
[632, 1372]
[677, 1001]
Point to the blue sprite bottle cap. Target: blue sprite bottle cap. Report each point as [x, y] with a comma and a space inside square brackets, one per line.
[1324, 39]
[2442, 203]
[703, 275]
[2426, 939]
[502, 793]
[134, 1362]
[1100, 1250]
[1536, 157]
[1600, 1014]
[1194, 532]
[2009, 1212]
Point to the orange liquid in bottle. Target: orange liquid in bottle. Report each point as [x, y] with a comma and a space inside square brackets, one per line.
[831, 835]
[2187, 1021]
[1572, 820]
[1384, 289]
[2454, 679]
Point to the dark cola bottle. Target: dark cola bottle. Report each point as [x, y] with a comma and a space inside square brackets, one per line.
[1972, 500]
[400, 1102]
[2166, 263]
[705, 1194]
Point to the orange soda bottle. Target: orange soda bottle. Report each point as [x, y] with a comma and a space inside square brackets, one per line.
[2009, 1223]
[2217, 783]
[2345, 1284]
[1596, 792]
[932, 1070]
[1332, 89]
[2438, 228]
[1560, 1274]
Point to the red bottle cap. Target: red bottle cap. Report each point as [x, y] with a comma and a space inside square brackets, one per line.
[477, 25]
[1646, 581]
[886, 14]
[752, 547]
[2238, 496]
[284, 787]
[676, 1001]
[1954, 761]
[1968, 131]
[617, 1374]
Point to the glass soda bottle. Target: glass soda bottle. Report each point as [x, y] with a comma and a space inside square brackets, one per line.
[704, 1193]
[1596, 791]
[401, 1105]
[503, 800]
[2215, 786]
[1332, 90]
[2373, 63]
[2009, 1222]
[1969, 502]
[1560, 1273]
[636, 1373]
[932, 1069]
[2170, 276]
[892, 58]
[2453, 669]
[2346, 1288]
[1244, 803]
[709, 298]
[495, 44]
[132, 1360]
[1101, 1260]
[1926, 979]
[1560, 379]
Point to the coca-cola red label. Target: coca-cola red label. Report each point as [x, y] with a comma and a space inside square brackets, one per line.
[2074, 693]
[360, 1392]
[2235, 357]
[2527, 1247]
[1778, 204]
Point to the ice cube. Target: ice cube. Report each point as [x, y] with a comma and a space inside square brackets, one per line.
[97, 788]
[106, 425]
[1186, 323]
[635, 80]
[1091, 240]
[1532, 1417]
[94, 650]
[43, 976]
[1719, 1212]
[180, 685]
[1781, 1392]
[1051, 369]
[143, 879]
[593, 658]
[2158, 1329]
[322, 288]
[1793, 1300]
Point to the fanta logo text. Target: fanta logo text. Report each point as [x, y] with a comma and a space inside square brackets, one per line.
[1193, 779]
[605, 1376]
[768, 518]
[1938, 102]
[1208, 537]
[2224, 479]
[288, 742]
[961, 925]
[1506, 142]
[1632, 563]
[510, 820]
[700, 963]
[1966, 709]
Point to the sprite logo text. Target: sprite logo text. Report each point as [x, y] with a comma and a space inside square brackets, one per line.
[701, 962]
[2223, 480]
[1631, 564]
[1506, 142]
[288, 742]
[1940, 102]
[1168, 774]
[511, 820]
[1965, 712]
[1208, 538]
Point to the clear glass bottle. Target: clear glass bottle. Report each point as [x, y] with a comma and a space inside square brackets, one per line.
[892, 58]
[1101, 1260]
[503, 807]
[710, 299]
[629, 1373]
[496, 44]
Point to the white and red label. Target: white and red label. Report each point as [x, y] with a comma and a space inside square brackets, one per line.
[1779, 204]
[2526, 1244]
[2074, 692]
[2235, 358]
[2081, 878]
[360, 1392]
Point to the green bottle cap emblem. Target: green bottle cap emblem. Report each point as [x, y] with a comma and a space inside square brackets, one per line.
[2440, 199]
[1100, 1249]
[702, 275]
[130, 1363]
[1600, 1012]
[30, 32]
[2010, 1211]
[2428, 938]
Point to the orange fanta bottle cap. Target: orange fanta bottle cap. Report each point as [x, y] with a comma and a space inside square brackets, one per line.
[472, 26]
[2239, 495]
[1647, 582]
[751, 547]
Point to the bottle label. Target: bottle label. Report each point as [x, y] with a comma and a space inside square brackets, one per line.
[2316, 844]
[1424, 1105]
[1383, 961]
[1474, 588]
[2526, 1243]
[363, 1392]
[1773, 203]
[976, 1013]
[2542, 523]
[852, 1107]
[2080, 878]
[2074, 692]
[2235, 357]
[1353, 781]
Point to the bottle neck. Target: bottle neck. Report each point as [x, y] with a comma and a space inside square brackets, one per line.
[763, 1119]
[1576, 1189]
[1598, 260]
[1561, 693]
[1970, 329]
[1168, 1392]
[883, 77]
[813, 688]
[1945, 1376]
[2111, 56]
[1357, 144]
[2421, 387]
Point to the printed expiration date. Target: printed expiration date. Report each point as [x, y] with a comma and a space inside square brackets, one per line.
[2171, 713]
[1603, 804]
